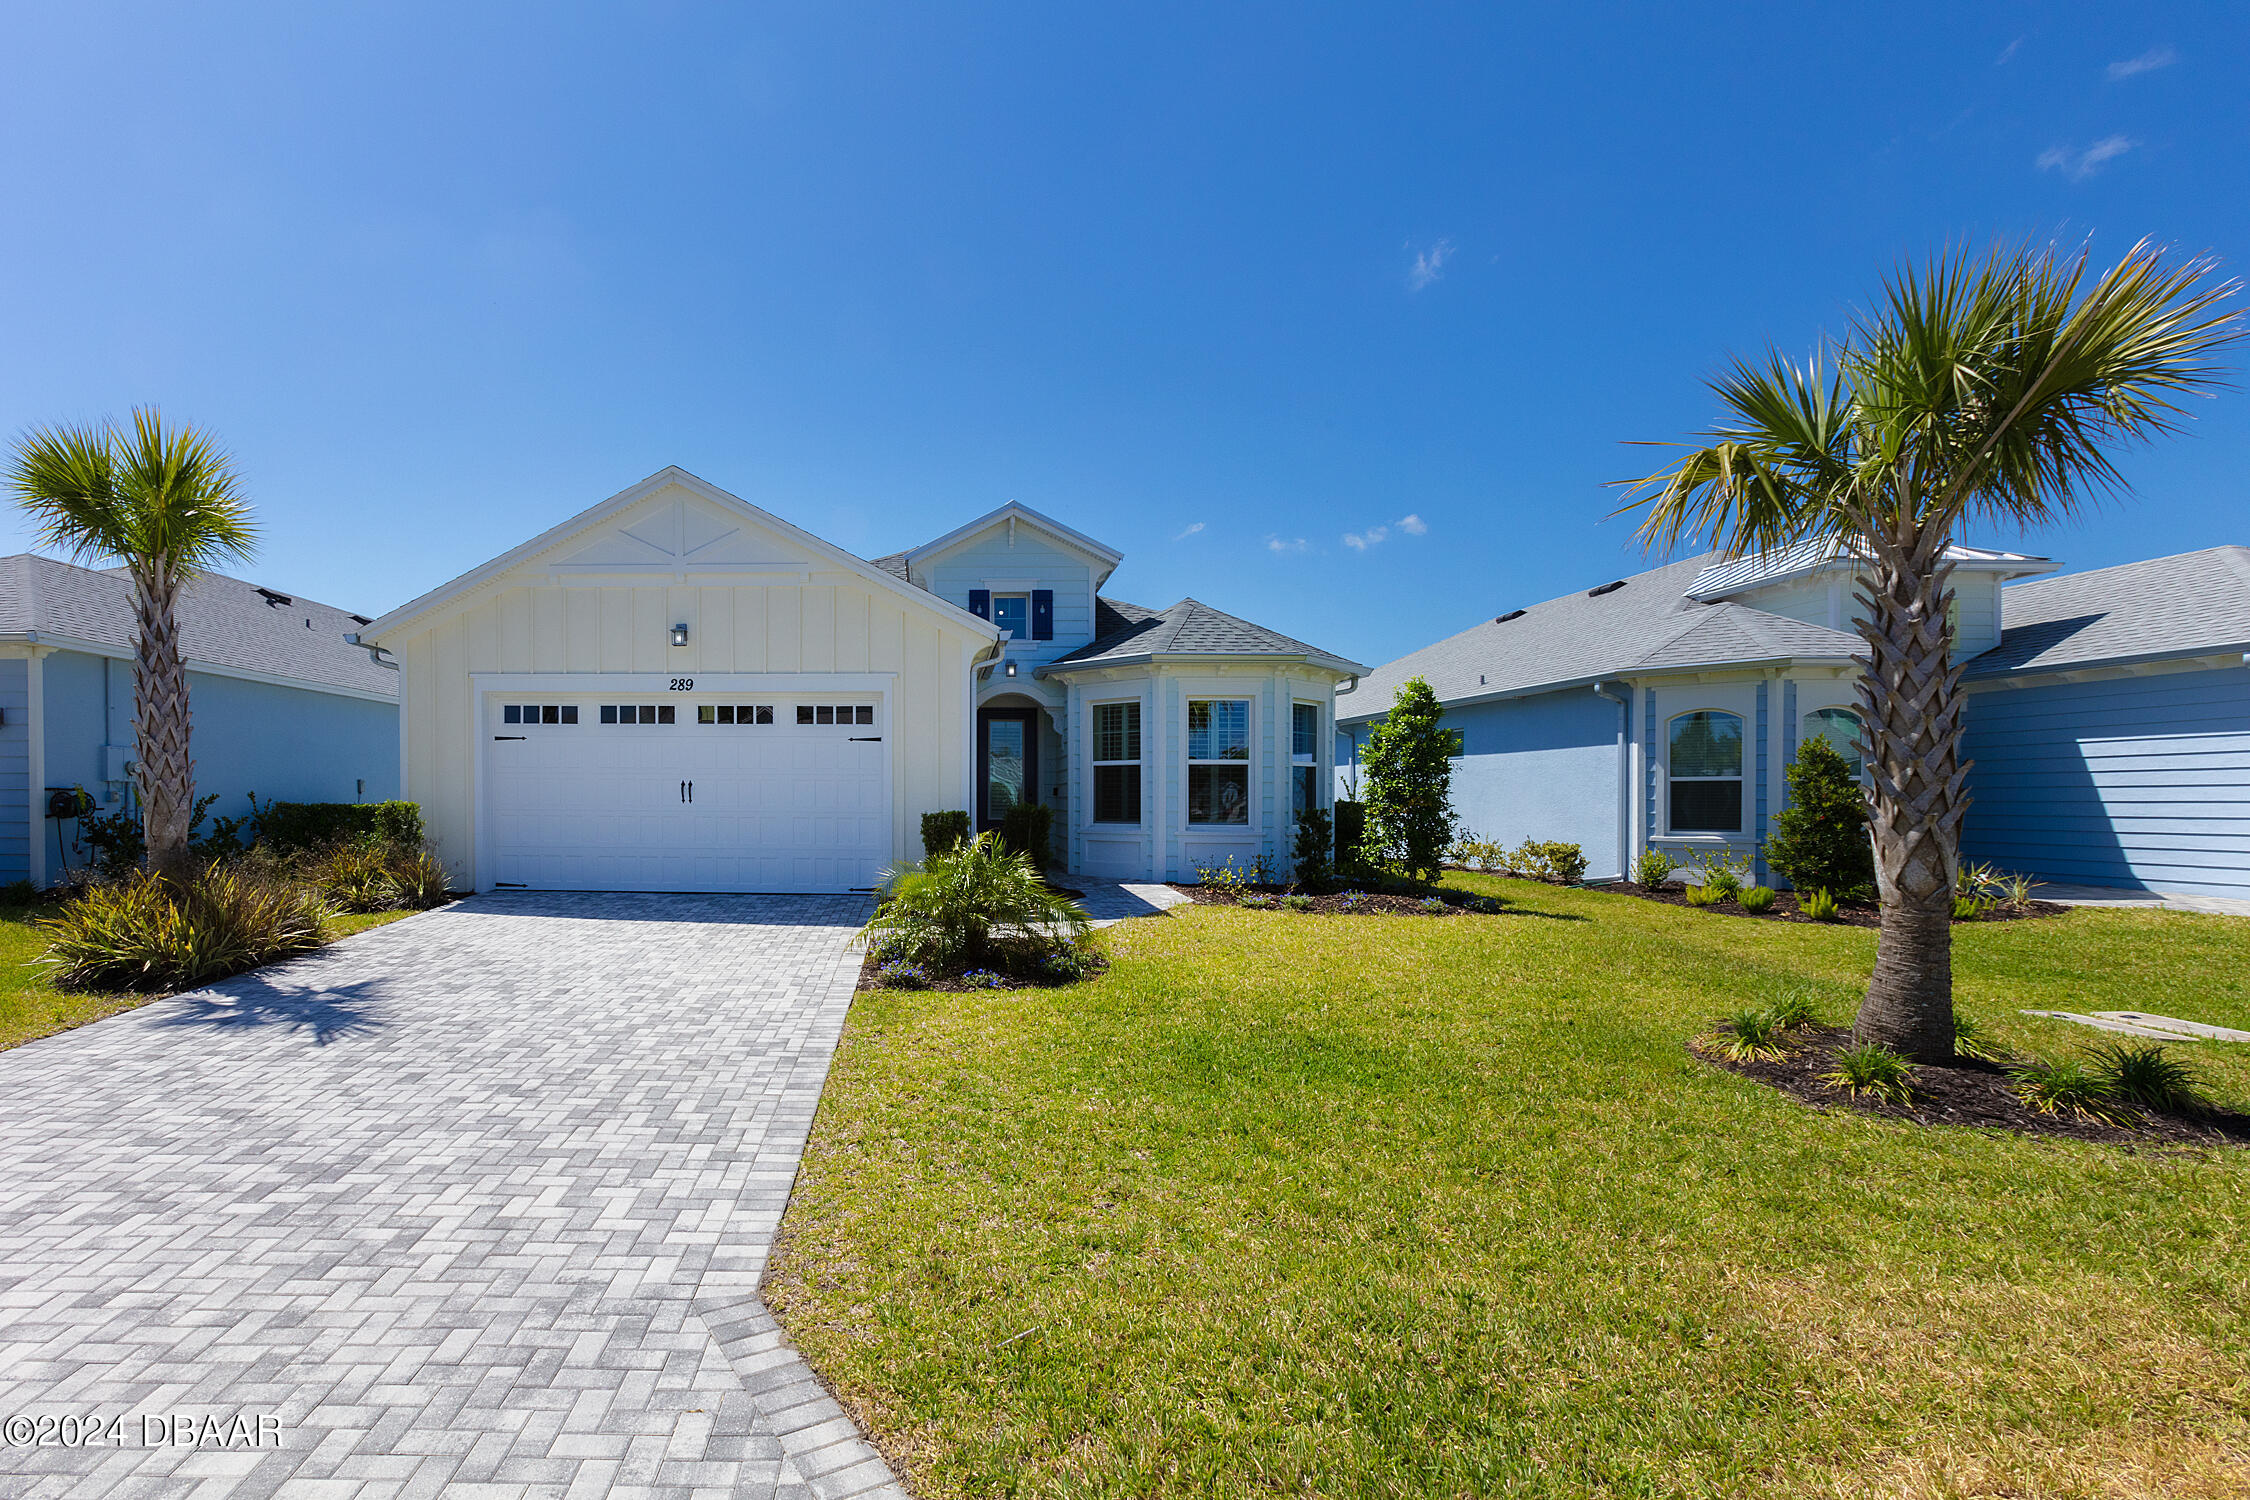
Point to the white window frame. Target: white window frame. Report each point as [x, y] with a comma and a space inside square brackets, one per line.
[1740, 778]
[1303, 760]
[1247, 762]
[1025, 595]
[1094, 709]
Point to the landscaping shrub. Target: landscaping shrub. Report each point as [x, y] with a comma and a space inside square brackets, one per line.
[1653, 868]
[898, 974]
[115, 848]
[1227, 876]
[2145, 1074]
[1068, 961]
[19, 893]
[1408, 777]
[1295, 902]
[1751, 1034]
[145, 933]
[1968, 908]
[1314, 849]
[1970, 1039]
[289, 826]
[954, 908]
[1820, 905]
[1868, 1071]
[1795, 1011]
[1351, 837]
[1562, 863]
[1722, 870]
[1701, 895]
[1029, 829]
[1432, 905]
[2069, 1087]
[1473, 853]
[1819, 839]
[362, 874]
[944, 831]
[1756, 898]
[984, 979]
[1258, 901]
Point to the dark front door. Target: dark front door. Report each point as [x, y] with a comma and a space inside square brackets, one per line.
[1007, 762]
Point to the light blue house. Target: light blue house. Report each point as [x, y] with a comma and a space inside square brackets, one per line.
[2109, 712]
[282, 706]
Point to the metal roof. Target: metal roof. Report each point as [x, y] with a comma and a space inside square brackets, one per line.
[224, 622]
[1802, 559]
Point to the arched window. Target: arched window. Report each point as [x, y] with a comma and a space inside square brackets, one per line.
[1840, 727]
[1706, 772]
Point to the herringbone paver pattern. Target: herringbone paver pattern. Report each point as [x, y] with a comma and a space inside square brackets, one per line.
[476, 1204]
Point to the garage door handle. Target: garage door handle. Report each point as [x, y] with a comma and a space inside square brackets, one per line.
[867, 739]
[691, 791]
[507, 736]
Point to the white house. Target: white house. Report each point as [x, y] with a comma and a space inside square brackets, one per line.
[678, 690]
[2108, 718]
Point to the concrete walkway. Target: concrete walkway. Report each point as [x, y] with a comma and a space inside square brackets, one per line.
[475, 1204]
[2108, 895]
[1112, 901]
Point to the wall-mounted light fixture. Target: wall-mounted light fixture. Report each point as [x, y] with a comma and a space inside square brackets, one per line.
[1010, 669]
[679, 634]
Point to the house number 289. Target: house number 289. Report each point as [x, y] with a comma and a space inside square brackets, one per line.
[683, 684]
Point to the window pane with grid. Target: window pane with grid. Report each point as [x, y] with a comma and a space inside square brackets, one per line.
[1218, 729]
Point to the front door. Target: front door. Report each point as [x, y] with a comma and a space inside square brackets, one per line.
[1007, 762]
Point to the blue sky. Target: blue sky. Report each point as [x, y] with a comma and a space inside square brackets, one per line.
[1239, 289]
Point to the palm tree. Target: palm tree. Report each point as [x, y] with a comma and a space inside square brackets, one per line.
[1989, 389]
[164, 503]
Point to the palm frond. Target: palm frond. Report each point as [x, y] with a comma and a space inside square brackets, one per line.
[66, 477]
[152, 496]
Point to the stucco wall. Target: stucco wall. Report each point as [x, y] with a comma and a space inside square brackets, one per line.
[2126, 780]
[1541, 767]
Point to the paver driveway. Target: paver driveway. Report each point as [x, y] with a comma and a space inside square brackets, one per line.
[476, 1203]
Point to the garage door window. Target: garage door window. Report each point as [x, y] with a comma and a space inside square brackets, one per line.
[835, 713]
[637, 713]
[734, 713]
[539, 713]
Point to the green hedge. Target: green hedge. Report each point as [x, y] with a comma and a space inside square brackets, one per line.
[308, 825]
[943, 830]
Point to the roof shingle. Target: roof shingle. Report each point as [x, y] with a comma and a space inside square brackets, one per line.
[1129, 632]
[2182, 605]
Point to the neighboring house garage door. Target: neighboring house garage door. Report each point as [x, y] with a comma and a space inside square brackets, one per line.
[2125, 781]
[678, 792]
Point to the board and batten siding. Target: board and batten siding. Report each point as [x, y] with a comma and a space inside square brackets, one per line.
[545, 627]
[990, 561]
[17, 825]
[2130, 780]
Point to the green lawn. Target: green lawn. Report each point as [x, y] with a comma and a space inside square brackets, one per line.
[31, 1007]
[1402, 1206]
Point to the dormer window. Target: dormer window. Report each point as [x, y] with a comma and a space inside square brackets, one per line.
[1012, 612]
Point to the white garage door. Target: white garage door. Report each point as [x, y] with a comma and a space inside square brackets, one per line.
[686, 792]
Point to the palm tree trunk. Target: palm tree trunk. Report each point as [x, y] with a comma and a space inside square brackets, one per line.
[1911, 701]
[162, 769]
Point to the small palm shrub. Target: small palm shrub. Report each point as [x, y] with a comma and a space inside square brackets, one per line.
[1868, 1071]
[1653, 868]
[1294, 902]
[2146, 1075]
[1701, 895]
[1818, 905]
[146, 933]
[1756, 898]
[1752, 1034]
[1970, 1039]
[2070, 1087]
[951, 910]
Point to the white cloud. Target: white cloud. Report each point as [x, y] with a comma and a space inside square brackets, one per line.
[1413, 525]
[1429, 265]
[1284, 544]
[1193, 528]
[1360, 541]
[2076, 164]
[2147, 62]
[2008, 53]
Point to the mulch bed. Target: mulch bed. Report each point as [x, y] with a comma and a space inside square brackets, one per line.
[1332, 903]
[1848, 913]
[957, 985]
[1971, 1093]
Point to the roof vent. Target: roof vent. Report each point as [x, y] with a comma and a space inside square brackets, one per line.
[1513, 614]
[1607, 588]
[274, 600]
[361, 620]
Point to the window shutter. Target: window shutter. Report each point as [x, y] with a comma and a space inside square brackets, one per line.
[1042, 614]
[980, 603]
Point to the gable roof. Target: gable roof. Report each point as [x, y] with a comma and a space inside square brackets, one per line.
[2189, 604]
[225, 624]
[625, 499]
[1130, 633]
[1644, 623]
[1012, 511]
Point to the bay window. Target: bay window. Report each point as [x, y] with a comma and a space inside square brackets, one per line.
[1117, 762]
[1218, 758]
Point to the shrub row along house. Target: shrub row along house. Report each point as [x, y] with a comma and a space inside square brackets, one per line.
[2108, 714]
[283, 705]
[677, 690]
